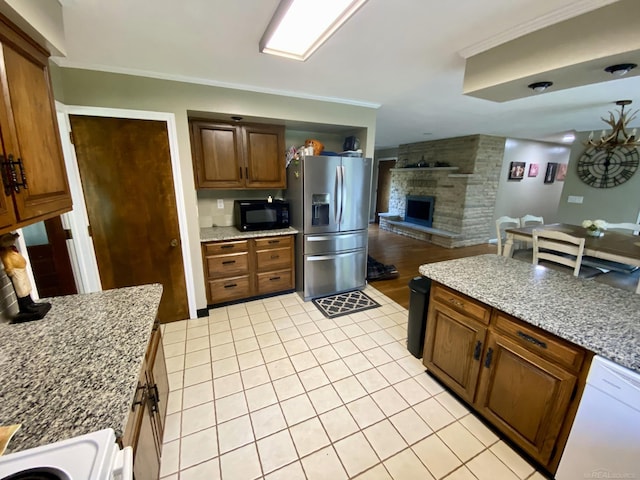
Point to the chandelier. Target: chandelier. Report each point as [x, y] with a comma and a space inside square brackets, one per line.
[618, 137]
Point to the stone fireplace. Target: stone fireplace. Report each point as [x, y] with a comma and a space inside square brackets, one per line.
[464, 186]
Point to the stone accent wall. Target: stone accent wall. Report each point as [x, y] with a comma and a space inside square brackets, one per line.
[465, 199]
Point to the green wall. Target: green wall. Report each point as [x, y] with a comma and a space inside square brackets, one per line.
[76, 87]
[618, 204]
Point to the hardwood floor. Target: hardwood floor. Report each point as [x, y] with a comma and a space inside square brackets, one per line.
[407, 254]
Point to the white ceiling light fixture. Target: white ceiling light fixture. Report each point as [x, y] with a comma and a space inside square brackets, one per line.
[299, 27]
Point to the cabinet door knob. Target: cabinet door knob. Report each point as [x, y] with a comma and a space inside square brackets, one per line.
[173, 243]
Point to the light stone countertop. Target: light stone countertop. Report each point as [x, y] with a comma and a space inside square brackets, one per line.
[76, 370]
[213, 234]
[598, 317]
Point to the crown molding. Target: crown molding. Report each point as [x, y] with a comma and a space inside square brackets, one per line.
[65, 63]
[571, 10]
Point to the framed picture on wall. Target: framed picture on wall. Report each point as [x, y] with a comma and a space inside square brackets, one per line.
[516, 170]
[533, 169]
[550, 175]
[562, 172]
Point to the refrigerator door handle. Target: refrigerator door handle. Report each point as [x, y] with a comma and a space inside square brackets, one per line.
[337, 193]
[317, 238]
[343, 194]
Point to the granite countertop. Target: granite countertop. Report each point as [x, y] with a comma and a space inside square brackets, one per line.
[598, 317]
[76, 370]
[213, 234]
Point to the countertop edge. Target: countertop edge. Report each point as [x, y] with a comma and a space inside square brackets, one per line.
[215, 234]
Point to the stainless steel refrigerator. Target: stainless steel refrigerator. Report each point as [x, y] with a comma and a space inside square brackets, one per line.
[329, 204]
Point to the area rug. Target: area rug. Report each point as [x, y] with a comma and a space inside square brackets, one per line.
[344, 304]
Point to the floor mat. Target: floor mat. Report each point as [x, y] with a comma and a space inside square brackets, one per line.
[344, 304]
[379, 271]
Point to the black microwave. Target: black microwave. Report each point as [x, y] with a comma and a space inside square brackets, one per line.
[260, 214]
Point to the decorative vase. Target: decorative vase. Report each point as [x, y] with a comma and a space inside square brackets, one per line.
[594, 233]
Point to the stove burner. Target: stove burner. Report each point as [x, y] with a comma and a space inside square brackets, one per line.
[39, 473]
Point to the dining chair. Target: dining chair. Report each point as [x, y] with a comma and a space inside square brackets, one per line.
[558, 247]
[501, 224]
[529, 220]
[634, 227]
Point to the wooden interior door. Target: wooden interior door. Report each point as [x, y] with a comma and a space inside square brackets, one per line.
[384, 187]
[127, 179]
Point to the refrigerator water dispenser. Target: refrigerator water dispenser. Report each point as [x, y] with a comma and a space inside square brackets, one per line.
[320, 209]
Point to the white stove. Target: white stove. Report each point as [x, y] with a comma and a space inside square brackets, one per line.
[94, 456]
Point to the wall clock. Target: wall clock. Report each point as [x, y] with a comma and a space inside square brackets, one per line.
[608, 167]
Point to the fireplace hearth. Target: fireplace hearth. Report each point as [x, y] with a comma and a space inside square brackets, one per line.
[419, 210]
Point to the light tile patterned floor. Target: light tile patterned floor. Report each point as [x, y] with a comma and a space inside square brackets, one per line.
[271, 389]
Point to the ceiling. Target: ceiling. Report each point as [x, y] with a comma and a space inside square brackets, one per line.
[401, 57]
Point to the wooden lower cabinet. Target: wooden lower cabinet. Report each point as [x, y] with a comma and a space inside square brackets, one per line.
[240, 269]
[453, 348]
[145, 426]
[524, 395]
[523, 380]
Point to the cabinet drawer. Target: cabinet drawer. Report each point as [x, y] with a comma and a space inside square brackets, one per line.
[540, 342]
[227, 265]
[217, 248]
[274, 259]
[274, 242]
[275, 281]
[228, 289]
[461, 302]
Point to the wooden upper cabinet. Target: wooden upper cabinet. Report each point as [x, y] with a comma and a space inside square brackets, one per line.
[264, 155]
[38, 186]
[234, 156]
[217, 152]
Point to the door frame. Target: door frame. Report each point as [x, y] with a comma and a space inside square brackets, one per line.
[82, 253]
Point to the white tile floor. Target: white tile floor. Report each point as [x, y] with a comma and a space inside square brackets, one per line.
[271, 389]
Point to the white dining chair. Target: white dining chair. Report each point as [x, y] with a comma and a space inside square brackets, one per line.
[558, 247]
[634, 227]
[529, 220]
[502, 223]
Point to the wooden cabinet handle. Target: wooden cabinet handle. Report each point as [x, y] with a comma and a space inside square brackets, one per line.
[228, 262]
[274, 241]
[231, 285]
[274, 278]
[240, 173]
[530, 339]
[227, 246]
[274, 257]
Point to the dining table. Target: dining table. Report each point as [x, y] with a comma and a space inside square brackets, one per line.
[611, 245]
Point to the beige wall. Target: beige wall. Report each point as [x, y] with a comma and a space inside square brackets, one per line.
[108, 90]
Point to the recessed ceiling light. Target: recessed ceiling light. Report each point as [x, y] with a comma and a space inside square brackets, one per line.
[539, 87]
[621, 69]
[299, 27]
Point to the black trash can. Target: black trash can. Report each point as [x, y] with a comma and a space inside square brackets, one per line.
[418, 304]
